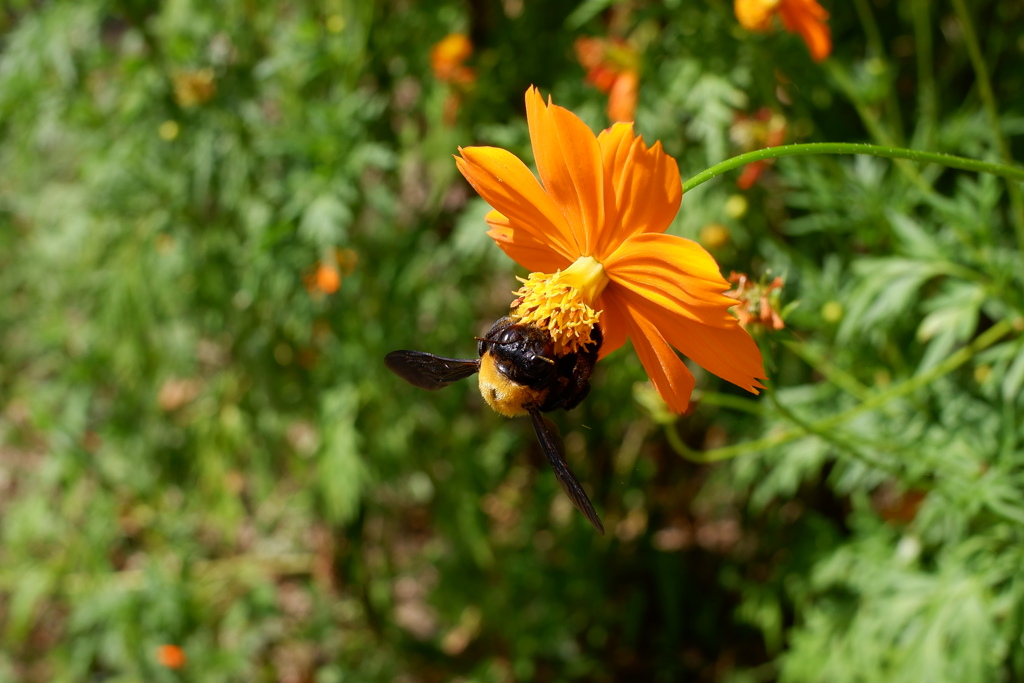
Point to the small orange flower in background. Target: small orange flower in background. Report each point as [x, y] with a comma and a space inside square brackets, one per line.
[593, 238]
[177, 392]
[758, 302]
[448, 57]
[805, 17]
[171, 656]
[447, 61]
[715, 236]
[896, 507]
[613, 67]
[194, 87]
[325, 277]
[750, 132]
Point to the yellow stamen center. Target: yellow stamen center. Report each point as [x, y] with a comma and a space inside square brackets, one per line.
[561, 303]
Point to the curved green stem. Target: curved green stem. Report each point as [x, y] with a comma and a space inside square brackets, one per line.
[834, 374]
[746, 405]
[813, 148]
[831, 437]
[980, 343]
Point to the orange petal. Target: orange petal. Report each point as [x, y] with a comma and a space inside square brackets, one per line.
[807, 18]
[522, 247]
[755, 15]
[507, 185]
[668, 373]
[648, 191]
[623, 96]
[728, 352]
[676, 273]
[569, 163]
[615, 143]
[614, 326]
[589, 51]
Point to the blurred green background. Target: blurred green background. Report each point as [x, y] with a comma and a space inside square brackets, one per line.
[216, 219]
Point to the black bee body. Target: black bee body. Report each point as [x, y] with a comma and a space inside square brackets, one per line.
[524, 355]
[519, 375]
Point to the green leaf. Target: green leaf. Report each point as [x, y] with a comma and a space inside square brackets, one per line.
[341, 473]
[325, 221]
[1014, 379]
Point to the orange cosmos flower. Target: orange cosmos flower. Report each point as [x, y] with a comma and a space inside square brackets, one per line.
[613, 68]
[327, 274]
[757, 131]
[805, 17]
[593, 237]
[327, 278]
[447, 59]
[171, 656]
[194, 87]
[758, 301]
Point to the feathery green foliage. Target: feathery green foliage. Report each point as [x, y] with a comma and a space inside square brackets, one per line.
[200, 445]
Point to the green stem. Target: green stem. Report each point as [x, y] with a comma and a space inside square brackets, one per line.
[926, 100]
[871, 32]
[729, 401]
[876, 50]
[988, 101]
[831, 372]
[813, 148]
[830, 437]
[866, 112]
[980, 343]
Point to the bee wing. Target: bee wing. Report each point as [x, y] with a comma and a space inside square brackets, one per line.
[427, 371]
[554, 449]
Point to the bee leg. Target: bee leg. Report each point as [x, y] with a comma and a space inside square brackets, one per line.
[554, 450]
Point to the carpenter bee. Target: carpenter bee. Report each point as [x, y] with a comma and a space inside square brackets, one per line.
[519, 375]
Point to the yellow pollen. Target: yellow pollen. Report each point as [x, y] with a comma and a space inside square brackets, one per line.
[561, 303]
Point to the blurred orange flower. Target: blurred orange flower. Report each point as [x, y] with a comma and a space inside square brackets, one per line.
[757, 301]
[805, 17]
[177, 392]
[194, 86]
[898, 508]
[750, 132]
[593, 236]
[612, 67]
[714, 235]
[171, 656]
[328, 279]
[447, 59]
[325, 277]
